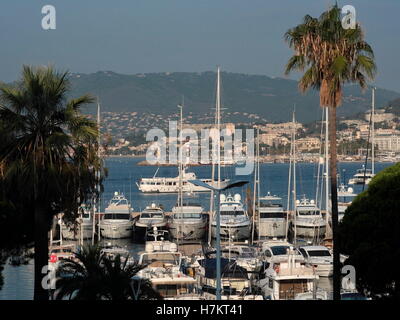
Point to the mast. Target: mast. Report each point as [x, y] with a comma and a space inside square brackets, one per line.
[294, 176]
[98, 171]
[373, 132]
[258, 178]
[180, 194]
[255, 193]
[289, 190]
[218, 106]
[218, 124]
[327, 213]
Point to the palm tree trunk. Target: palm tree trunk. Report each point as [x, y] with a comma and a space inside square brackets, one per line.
[334, 203]
[41, 253]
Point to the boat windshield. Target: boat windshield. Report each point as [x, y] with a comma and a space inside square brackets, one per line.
[152, 215]
[173, 290]
[309, 212]
[279, 250]
[270, 204]
[319, 253]
[117, 216]
[232, 213]
[120, 202]
[161, 257]
[265, 215]
[247, 253]
[187, 215]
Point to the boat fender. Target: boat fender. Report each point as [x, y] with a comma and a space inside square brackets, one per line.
[53, 258]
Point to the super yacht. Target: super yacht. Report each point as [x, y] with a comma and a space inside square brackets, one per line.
[234, 220]
[117, 222]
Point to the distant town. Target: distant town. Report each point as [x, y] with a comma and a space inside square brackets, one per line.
[124, 134]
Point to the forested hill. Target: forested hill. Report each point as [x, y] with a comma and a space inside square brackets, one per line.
[271, 98]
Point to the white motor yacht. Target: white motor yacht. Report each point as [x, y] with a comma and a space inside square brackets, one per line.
[117, 222]
[320, 258]
[188, 221]
[308, 221]
[234, 220]
[171, 184]
[362, 176]
[288, 279]
[84, 221]
[152, 216]
[272, 217]
[235, 282]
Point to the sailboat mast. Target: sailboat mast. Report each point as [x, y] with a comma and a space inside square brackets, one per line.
[258, 180]
[294, 177]
[98, 171]
[255, 192]
[327, 213]
[218, 106]
[373, 132]
[180, 194]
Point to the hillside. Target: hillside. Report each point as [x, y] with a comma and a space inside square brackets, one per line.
[271, 98]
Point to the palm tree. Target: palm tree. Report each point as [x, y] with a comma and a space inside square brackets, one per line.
[50, 160]
[332, 56]
[93, 276]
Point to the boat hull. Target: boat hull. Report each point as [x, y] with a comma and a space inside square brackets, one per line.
[324, 270]
[139, 233]
[116, 230]
[188, 230]
[235, 232]
[310, 231]
[271, 228]
[69, 233]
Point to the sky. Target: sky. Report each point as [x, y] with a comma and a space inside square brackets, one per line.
[140, 36]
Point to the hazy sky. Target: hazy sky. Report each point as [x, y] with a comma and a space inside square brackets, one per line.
[135, 36]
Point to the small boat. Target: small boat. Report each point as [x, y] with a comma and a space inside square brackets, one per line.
[112, 251]
[84, 221]
[117, 222]
[289, 279]
[152, 216]
[188, 221]
[234, 220]
[163, 265]
[362, 176]
[277, 250]
[59, 253]
[272, 217]
[320, 258]
[244, 255]
[308, 221]
[235, 281]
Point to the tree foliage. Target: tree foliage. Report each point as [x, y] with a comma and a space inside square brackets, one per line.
[370, 235]
[48, 160]
[94, 276]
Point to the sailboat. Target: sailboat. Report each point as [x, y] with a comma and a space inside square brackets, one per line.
[271, 218]
[364, 176]
[234, 218]
[188, 221]
[308, 221]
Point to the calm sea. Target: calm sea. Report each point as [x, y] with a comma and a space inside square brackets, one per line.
[124, 173]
